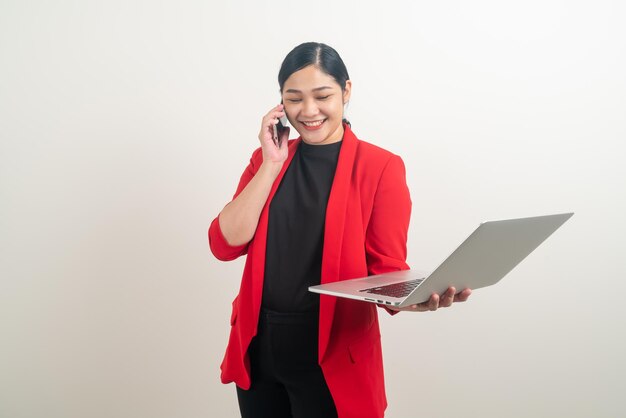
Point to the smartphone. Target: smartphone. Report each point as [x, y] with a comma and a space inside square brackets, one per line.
[278, 129]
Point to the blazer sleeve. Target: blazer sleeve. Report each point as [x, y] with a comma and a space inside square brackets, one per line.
[387, 230]
[220, 248]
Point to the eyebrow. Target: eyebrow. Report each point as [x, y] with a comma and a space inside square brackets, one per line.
[315, 89]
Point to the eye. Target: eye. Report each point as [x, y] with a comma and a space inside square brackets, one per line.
[324, 98]
[293, 100]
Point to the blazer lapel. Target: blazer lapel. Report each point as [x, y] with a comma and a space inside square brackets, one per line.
[333, 233]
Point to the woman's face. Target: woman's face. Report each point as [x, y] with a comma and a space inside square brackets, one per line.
[310, 95]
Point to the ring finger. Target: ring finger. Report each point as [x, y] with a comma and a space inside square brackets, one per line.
[448, 298]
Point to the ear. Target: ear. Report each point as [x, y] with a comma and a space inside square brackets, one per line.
[347, 91]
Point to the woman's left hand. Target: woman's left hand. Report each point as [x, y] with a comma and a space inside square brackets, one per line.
[435, 302]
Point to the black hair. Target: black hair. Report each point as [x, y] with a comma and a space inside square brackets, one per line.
[318, 54]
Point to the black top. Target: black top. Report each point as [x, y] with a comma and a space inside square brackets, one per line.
[295, 235]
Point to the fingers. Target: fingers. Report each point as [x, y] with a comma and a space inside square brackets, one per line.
[447, 298]
[430, 305]
[275, 109]
[444, 301]
[463, 296]
[435, 302]
[273, 115]
[270, 120]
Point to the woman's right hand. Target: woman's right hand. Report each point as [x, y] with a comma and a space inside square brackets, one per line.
[272, 153]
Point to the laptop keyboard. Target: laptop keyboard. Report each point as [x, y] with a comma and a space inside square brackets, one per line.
[396, 290]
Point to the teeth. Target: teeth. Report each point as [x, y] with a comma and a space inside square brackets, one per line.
[313, 123]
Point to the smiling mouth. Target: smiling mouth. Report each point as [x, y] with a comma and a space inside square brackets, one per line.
[316, 123]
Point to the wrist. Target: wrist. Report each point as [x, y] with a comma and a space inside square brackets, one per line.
[271, 168]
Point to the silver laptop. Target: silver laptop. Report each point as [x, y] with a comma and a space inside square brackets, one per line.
[485, 257]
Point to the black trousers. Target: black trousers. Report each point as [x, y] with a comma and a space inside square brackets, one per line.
[287, 381]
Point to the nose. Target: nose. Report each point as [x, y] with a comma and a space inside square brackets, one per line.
[309, 108]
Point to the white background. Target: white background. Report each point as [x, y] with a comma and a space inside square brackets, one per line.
[124, 128]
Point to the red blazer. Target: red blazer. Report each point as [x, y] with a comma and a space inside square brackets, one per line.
[367, 220]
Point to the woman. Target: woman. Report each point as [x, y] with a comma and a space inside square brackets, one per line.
[321, 208]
